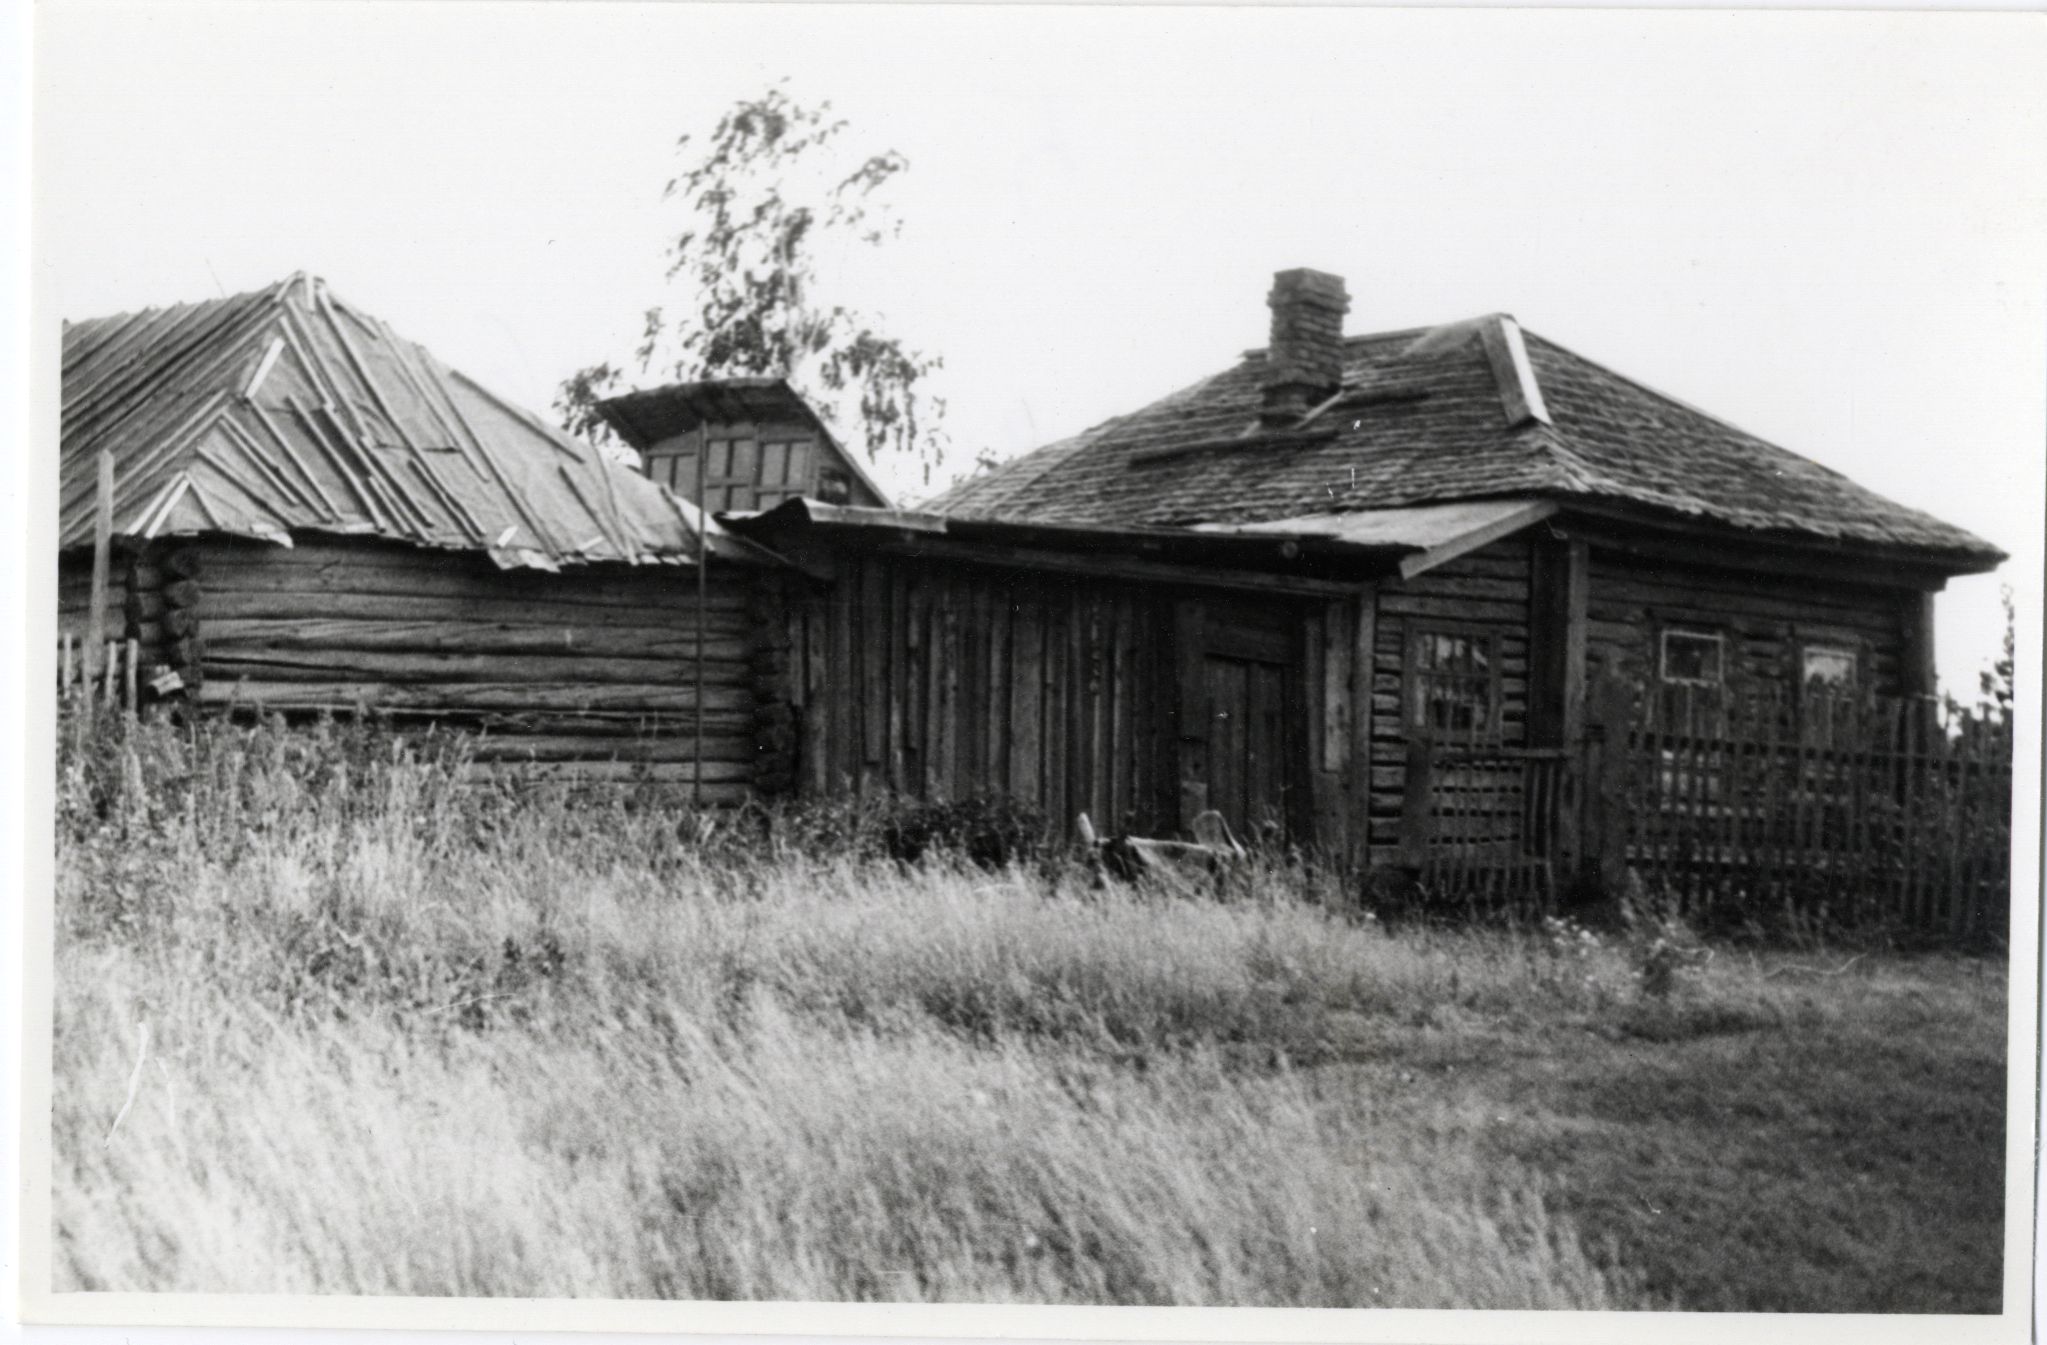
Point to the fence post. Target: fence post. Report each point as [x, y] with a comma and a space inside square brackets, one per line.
[102, 559]
[1602, 795]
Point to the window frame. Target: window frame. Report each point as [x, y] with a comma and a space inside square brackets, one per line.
[1853, 653]
[1415, 679]
[1718, 638]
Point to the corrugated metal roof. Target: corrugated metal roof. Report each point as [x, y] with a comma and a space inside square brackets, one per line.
[287, 410]
[1470, 410]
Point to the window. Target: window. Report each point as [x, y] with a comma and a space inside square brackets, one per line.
[1829, 666]
[1455, 687]
[740, 472]
[1693, 658]
[834, 486]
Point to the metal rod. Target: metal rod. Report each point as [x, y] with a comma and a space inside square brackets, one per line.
[703, 603]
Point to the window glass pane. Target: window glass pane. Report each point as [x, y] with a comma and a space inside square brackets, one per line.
[834, 486]
[1690, 656]
[774, 462]
[1454, 685]
[799, 466]
[1830, 667]
[745, 463]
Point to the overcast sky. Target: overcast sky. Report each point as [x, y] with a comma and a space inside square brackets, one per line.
[1827, 228]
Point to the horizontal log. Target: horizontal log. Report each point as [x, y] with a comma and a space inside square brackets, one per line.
[1628, 602]
[180, 593]
[185, 562]
[1506, 559]
[451, 608]
[1449, 584]
[319, 665]
[1507, 615]
[734, 723]
[471, 697]
[721, 793]
[1391, 664]
[679, 746]
[426, 573]
[674, 641]
[723, 771]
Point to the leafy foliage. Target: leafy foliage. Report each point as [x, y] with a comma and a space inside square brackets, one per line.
[762, 200]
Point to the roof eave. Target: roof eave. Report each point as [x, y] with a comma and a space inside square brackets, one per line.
[1943, 562]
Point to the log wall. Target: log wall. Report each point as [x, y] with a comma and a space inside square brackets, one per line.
[1766, 620]
[589, 672]
[135, 603]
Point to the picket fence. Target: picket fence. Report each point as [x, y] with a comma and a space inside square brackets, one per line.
[1842, 808]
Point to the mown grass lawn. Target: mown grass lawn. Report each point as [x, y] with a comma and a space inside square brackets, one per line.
[1778, 1138]
[409, 1038]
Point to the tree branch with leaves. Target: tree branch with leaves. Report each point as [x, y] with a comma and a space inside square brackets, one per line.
[761, 198]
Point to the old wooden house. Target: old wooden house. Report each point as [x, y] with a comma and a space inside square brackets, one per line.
[309, 513]
[1308, 590]
[1379, 597]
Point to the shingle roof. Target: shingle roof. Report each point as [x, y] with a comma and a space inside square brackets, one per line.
[287, 410]
[1465, 411]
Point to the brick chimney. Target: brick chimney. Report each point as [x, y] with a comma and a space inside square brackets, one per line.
[1304, 362]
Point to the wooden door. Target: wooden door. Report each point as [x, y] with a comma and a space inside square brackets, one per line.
[1243, 733]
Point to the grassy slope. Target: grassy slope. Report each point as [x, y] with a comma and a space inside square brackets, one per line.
[409, 1040]
[1776, 1140]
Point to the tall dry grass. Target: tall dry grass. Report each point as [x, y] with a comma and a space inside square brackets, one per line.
[406, 1037]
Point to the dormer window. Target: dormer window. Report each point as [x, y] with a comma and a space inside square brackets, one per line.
[742, 472]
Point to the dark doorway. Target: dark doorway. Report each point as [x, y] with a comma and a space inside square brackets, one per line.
[1243, 730]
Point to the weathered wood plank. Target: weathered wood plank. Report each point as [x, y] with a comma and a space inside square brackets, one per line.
[844, 726]
[1364, 635]
[665, 587]
[1026, 712]
[679, 747]
[343, 695]
[363, 636]
[900, 674]
[995, 699]
[871, 617]
[1193, 718]
[385, 665]
[1558, 588]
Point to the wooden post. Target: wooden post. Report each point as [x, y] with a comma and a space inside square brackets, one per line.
[128, 672]
[1605, 826]
[64, 666]
[1364, 655]
[1415, 802]
[102, 549]
[1190, 657]
[1915, 660]
[1557, 588]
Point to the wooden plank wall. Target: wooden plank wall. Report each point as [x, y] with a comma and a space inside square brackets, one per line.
[941, 680]
[589, 672]
[1766, 618]
[1487, 590]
